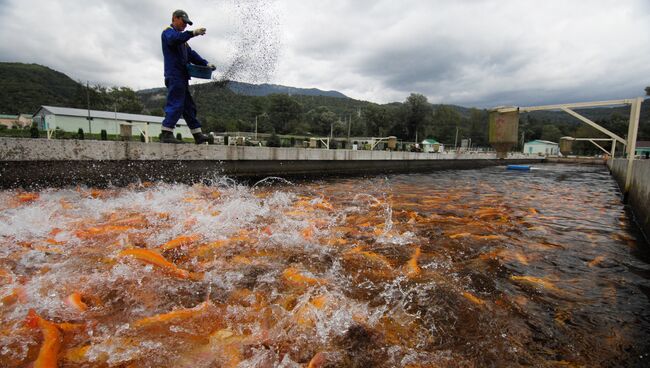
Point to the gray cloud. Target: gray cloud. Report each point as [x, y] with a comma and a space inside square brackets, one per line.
[473, 52]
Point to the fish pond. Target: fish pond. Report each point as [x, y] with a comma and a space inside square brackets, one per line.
[467, 268]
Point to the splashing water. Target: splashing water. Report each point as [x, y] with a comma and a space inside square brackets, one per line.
[256, 43]
[471, 268]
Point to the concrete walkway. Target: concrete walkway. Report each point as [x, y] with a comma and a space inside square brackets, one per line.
[42, 162]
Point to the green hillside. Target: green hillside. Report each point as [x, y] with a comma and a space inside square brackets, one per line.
[25, 87]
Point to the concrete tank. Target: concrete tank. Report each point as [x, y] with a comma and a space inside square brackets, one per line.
[566, 145]
[503, 131]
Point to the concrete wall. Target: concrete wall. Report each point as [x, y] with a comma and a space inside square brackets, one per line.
[639, 195]
[576, 160]
[27, 162]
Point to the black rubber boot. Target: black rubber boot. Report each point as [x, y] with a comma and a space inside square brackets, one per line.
[168, 137]
[200, 138]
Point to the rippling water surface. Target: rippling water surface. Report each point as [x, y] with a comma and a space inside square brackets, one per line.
[454, 268]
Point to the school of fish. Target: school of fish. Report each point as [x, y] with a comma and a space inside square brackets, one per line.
[449, 269]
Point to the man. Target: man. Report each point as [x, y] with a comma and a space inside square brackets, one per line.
[178, 55]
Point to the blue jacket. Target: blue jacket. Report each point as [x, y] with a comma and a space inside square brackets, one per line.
[178, 54]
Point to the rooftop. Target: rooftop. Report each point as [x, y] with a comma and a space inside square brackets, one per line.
[539, 141]
[68, 111]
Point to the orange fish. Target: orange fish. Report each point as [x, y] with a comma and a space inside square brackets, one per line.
[76, 355]
[27, 197]
[307, 232]
[412, 269]
[472, 298]
[293, 277]
[65, 205]
[324, 205]
[17, 294]
[138, 221]
[101, 230]
[596, 261]
[459, 235]
[74, 300]
[173, 316]
[156, 259]
[180, 241]
[372, 257]
[536, 281]
[319, 360]
[48, 353]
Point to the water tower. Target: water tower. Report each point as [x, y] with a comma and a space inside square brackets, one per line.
[503, 130]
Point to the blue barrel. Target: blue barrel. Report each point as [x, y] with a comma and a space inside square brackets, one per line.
[519, 167]
[199, 71]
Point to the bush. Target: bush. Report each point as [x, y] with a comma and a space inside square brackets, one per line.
[225, 140]
[33, 132]
[273, 141]
[80, 134]
[103, 135]
[59, 133]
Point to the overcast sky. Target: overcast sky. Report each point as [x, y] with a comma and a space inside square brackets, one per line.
[478, 53]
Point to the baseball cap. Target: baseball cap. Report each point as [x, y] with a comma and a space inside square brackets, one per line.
[183, 15]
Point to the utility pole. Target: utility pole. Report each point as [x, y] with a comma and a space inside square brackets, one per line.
[88, 103]
[117, 130]
[256, 126]
[349, 124]
[456, 140]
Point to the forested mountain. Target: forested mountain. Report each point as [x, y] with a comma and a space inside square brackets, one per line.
[236, 106]
[25, 87]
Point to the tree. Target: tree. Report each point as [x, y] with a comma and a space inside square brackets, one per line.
[273, 141]
[282, 110]
[321, 119]
[124, 99]
[378, 120]
[647, 91]
[551, 133]
[478, 123]
[446, 119]
[417, 115]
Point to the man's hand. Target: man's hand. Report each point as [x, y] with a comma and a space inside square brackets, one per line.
[211, 66]
[199, 31]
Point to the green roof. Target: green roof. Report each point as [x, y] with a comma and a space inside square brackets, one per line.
[3, 116]
[430, 141]
[539, 141]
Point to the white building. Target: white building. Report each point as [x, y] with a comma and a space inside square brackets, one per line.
[70, 120]
[540, 147]
[432, 145]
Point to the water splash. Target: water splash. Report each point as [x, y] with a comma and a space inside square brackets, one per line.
[424, 269]
[256, 43]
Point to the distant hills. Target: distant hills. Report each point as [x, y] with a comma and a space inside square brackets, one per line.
[25, 87]
[248, 89]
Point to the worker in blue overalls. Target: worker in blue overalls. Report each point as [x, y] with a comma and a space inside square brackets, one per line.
[178, 55]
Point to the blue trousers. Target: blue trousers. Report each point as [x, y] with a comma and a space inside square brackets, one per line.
[179, 103]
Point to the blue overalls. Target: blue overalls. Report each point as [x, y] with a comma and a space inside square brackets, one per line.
[178, 54]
